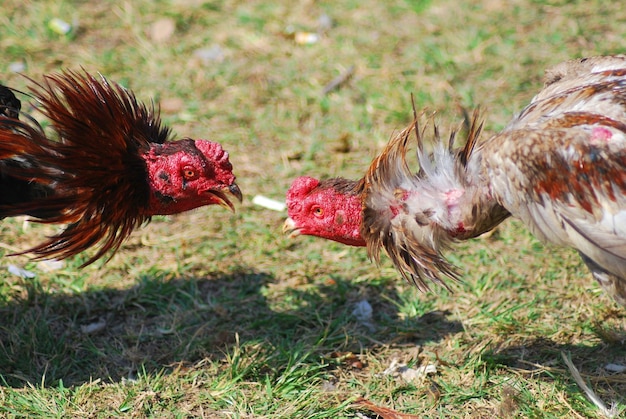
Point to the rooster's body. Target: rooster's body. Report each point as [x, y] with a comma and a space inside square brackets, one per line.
[559, 166]
[15, 155]
[109, 167]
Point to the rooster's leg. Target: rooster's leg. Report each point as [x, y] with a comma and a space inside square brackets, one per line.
[612, 284]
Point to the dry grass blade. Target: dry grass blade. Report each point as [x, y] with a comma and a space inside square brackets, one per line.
[611, 412]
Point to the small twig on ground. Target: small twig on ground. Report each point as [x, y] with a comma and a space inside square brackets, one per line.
[338, 81]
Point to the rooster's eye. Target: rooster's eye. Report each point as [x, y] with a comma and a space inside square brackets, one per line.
[189, 173]
[318, 211]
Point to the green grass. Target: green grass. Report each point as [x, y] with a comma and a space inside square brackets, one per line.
[212, 314]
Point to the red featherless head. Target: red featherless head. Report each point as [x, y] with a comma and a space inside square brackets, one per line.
[330, 209]
[114, 165]
[188, 174]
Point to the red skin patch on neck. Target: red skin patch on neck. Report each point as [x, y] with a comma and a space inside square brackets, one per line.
[601, 134]
[453, 195]
[460, 229]
[401, 195]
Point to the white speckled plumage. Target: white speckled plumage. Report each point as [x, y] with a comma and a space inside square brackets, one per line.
[559, 166]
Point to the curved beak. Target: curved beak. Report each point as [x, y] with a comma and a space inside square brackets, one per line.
[289, 227]
[222, 196]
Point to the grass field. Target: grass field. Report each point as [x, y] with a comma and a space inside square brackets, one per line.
[212, 314]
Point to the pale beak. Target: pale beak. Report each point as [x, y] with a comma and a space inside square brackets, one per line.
[222, 196]
[289, 227]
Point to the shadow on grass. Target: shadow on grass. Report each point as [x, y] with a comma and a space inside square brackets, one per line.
[165, 322]
[543, 357]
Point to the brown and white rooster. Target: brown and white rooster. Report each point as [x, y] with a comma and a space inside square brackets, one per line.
[559, 166]
[106, 166]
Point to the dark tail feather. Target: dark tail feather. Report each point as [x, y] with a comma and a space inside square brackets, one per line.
[9, 104]
[27, 170]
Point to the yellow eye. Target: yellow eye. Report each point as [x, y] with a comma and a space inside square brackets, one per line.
[318, 211]
[189, 173]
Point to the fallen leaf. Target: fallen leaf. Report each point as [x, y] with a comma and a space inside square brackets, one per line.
[383, 412]
[348, 359]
